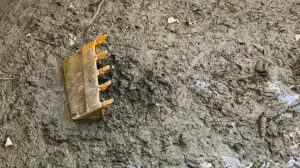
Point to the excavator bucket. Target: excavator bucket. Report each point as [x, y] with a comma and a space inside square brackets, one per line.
[81, 82]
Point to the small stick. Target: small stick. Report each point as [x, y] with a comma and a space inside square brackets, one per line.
[6, 78]
[96, 12]
[228, 59]
[47, 42]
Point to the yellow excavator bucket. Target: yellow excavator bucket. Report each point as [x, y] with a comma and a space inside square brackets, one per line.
[81, 82]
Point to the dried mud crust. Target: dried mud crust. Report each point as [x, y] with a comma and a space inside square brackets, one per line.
[162, 115]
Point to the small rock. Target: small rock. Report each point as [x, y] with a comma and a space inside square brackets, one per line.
[72, 42]
[172, 20]
[204, 84]
[188, 23]
[206, 165]
[124, 84]
[296, 89]
[262, 123]
[186, 139]
[287, 115]
[297, 37]
[8, 143]
[71, 6]
[259, 47]
[291, 163]
[72, 39]
[261, 67]
[145, 135]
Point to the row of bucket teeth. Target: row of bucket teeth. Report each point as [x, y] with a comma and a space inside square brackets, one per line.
[81, 81]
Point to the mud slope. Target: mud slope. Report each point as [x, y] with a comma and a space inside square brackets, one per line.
[187, 94]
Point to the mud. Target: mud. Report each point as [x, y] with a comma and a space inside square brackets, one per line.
[187, 94]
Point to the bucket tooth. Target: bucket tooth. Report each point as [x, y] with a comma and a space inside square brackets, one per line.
[103, 70]
[81, 82]
[106, 103]
[101, 55]
[103, 86]
[101, 39]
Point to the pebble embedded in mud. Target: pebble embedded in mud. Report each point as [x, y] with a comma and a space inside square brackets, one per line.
[259, 47]
[186, 139]
[72, 39]
[261, 67]
[145, 135]
[297, 37]
[203, 84]
[8, 142]
[262, 123]
[172, 20]
[206, 165]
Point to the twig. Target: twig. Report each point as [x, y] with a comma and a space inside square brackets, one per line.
[99, 6]
[46, 42]
[3, 71]
[228, 59]
[6, 78]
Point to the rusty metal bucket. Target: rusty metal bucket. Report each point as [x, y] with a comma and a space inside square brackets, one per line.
[81, 82]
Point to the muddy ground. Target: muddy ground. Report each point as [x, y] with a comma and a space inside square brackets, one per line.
[188, 94]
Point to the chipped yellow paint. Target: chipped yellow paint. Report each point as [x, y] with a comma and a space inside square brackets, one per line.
[81, 81]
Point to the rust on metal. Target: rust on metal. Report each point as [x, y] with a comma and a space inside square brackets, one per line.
[81, 82]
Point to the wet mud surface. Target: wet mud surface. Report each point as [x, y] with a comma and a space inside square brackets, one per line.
[217, 88]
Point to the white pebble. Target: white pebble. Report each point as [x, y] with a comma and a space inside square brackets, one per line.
[172, 20]
[206, 165]
[8, 143]
[297, 37]
[72, 42]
